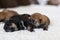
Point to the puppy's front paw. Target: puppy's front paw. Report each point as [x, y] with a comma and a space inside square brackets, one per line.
[45, 28]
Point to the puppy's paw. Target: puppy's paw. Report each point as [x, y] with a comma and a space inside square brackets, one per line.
[45, 28]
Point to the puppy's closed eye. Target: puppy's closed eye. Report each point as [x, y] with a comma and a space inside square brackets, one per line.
[40, 20]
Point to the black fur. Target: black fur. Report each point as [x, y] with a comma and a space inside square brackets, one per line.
[18, 19]
[3, 20]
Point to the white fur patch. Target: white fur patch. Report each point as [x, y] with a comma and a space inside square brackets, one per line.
[23, 24]
[13, 25]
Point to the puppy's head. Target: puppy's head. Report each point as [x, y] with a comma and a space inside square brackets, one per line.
[10, 27]
[37, 19]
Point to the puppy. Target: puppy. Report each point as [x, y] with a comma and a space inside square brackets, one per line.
[40, 21]
[14, 24]
[53, 2]
[6, 14]
[22, 22]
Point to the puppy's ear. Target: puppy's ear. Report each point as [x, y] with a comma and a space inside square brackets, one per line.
[40, 20]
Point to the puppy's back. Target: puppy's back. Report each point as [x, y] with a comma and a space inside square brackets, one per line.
[9, 13]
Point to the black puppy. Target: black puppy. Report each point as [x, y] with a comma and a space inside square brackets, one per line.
[13, 24]
[21, 22]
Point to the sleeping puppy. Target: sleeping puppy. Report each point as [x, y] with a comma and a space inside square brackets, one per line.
[6, 14]
[53, 2]
[21, 21]
[14, 24]
[40, 21]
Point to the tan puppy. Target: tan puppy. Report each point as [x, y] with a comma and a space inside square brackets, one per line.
[40, 21]
[53, 2]
[6, 14]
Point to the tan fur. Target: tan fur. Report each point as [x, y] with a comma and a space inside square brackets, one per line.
[44, 19]
[2, 16]
[54, 2]
[36, 17]
[9, 13]
[6, 14]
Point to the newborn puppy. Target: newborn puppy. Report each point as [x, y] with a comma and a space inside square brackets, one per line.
[40, 21]
[22, 22]
[53, 2]
[6, 14]
[13, 24]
